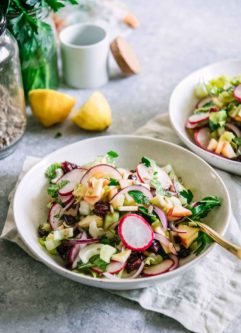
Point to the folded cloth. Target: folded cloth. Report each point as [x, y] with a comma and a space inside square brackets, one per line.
[204, 299]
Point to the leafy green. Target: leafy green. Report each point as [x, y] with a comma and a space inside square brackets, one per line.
[149, 216]
[37, 46]
[113, 182]
[96, 261]
[54, 188]
[202, 241]
[146, 161]
[111, 156]
[217, 119]
[50, 173]
[113, 241]
[139, 197]
[187, 195]
[237, 141]
[204, 206]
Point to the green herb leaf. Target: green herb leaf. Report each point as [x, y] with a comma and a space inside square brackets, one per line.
[139, 197]
[111, 156]
[110, 241]
[54, 188]
[113, 182]
[237, 141]
[202, 241]
[187, 195]
[146, 161]
[149, 216]
[96, 261]
[50, 173]
[203, 207]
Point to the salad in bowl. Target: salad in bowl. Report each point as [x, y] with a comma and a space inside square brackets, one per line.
[110, 222]
[215, 123]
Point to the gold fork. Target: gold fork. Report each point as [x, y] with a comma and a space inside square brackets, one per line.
[234, 249]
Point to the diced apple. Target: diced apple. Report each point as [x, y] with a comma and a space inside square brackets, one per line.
[85, 222]
[189, 236]
[122, 256]
[179, 211]
[219, 147]
[228, 151]
[212, 144]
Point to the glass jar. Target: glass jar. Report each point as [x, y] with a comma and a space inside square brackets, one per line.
[35, 35]
[12, 106]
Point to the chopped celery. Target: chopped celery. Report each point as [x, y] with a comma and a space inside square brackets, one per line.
[106, 252]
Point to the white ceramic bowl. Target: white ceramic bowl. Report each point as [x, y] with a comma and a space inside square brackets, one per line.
[183, 101]
[30, 198]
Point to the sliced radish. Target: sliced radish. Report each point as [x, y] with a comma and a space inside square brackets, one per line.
[161, 216]
[115, 267]
[198, 118]
[73, 177]
[158, 269]
[202, 137]
[54, 216]
[145, 174]
[101, 170]
[175, 262]
[134, 231]
[59, 174]
[237, 93]
[234, 129]
[191, 126]
[72, 255]
[204, 101]
[65, 199]
[127, 189]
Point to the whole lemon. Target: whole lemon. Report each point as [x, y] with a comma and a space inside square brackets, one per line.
[49, 106]
[94, 115]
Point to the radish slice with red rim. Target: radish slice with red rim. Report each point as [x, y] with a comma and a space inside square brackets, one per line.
[135, 232]
[115, 267]
[73, 177]
[161, 216]
[145, 174]
[55, 213]
[234, 129]
[65, 199]
[204, 101]
[202, 137]
[104, 170]
[198, 118]
[127, 189]
[175, 262]
[158, 269]
[237, 93]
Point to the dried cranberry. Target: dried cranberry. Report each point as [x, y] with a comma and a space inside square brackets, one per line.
[132, 177]
[101, 208]
[42, 232]
[68, 166]
[155, 246]
[62, 251]
[69, 219]
[177, 239]
[134, 261]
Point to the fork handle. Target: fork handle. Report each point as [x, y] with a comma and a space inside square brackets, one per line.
[234, 249]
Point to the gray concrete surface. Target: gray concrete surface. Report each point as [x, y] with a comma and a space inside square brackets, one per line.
[175, 38]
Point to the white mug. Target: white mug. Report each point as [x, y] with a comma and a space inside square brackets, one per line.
[84, 50]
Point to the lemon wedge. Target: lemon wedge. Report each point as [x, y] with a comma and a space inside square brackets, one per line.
[49, 106]
[94, 115]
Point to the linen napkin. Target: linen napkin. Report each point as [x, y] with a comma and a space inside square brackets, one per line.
[206, 298]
